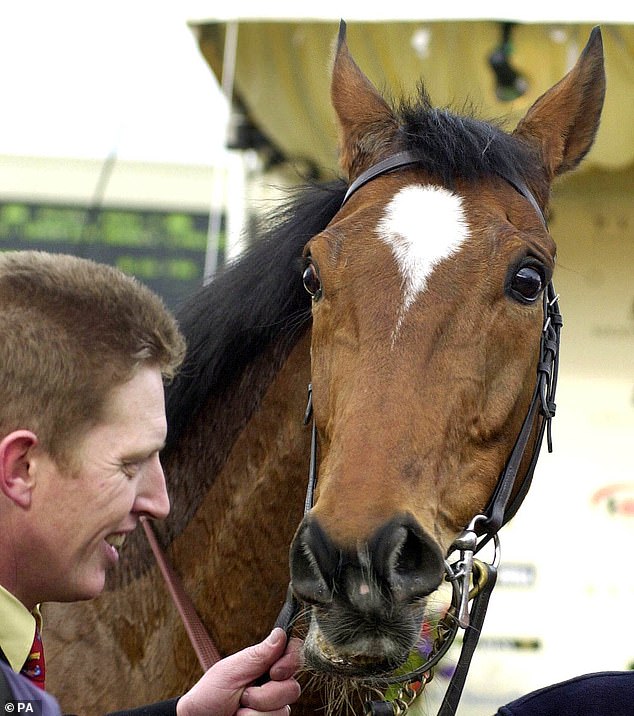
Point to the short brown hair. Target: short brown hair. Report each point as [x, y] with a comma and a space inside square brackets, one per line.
[71, 330]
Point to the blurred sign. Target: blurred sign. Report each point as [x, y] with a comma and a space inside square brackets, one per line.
[163, 249]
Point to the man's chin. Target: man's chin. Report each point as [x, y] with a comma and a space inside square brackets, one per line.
[76, 593]
[89, 586]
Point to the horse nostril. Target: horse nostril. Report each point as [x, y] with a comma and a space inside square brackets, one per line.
[410, 554]
[313, 561]
[400, 555]
[408, 559]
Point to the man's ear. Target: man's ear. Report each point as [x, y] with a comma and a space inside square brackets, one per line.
[16, 480]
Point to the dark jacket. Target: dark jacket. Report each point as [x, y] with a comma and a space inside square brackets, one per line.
[15, 687]
[607, 693]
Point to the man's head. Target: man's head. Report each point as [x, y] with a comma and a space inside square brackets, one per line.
[84, 351]
[71, 330]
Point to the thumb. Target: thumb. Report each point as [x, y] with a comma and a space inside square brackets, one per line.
[244, 666]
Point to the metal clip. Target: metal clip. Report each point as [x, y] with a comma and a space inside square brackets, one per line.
[466, 562]
[466, 543]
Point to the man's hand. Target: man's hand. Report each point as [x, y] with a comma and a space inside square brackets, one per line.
[226, 689]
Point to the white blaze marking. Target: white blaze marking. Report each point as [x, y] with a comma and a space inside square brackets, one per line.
[422, 225]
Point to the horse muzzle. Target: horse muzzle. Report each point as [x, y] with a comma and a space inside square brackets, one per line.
[368, 603]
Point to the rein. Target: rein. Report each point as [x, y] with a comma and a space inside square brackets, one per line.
[203, 645]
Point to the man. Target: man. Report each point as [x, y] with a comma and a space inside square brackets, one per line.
[84, 353]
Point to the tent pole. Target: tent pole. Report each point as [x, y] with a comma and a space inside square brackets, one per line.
[220, 175]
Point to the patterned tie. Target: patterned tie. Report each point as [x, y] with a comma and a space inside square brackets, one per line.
[33, 667]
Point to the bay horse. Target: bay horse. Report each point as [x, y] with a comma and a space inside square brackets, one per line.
[413, 304]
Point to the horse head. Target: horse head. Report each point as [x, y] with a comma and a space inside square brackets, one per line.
[427, 314]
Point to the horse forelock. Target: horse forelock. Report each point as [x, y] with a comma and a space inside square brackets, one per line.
[459, 146]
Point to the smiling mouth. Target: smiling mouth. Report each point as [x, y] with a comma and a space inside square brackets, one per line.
[116, 540]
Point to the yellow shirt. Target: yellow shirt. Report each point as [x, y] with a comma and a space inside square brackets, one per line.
[17, 629]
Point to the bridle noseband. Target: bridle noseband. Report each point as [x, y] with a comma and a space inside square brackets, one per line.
[484, 527]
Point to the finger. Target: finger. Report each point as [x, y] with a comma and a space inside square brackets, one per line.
[271, 696]
[290, 663]
[245, 666]
[286, 667]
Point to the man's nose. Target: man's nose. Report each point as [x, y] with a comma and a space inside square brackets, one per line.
[152, 498]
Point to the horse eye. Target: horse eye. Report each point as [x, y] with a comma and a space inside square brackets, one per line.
[527, 284]
[312, 282]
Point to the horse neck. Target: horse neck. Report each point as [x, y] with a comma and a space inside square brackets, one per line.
[206, 446]
[233, 551]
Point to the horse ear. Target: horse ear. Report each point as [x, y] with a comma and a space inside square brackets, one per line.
[362, 113]
[564, 121]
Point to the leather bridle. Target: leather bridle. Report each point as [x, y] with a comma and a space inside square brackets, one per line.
[484, 527]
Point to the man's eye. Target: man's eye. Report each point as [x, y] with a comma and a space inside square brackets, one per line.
[130, 468]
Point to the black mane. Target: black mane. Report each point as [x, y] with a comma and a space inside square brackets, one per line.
[249, 304]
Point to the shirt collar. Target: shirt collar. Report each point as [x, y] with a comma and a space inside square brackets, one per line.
[17, 628]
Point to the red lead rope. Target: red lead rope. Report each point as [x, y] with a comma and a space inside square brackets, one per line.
[202, 643]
